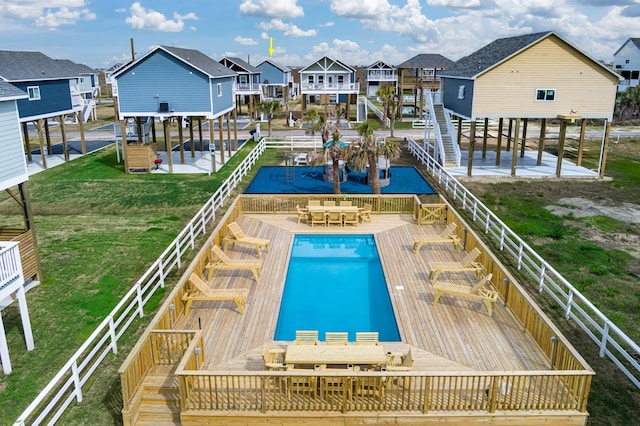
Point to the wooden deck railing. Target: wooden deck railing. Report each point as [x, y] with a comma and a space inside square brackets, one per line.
[28, 252]
[285, 203]
[612, 341]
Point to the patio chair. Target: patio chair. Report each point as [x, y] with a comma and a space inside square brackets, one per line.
[346, 203]
[236, 235]
[336, 337]
[199, 290]
[273, 358]
[318, 217]
[401, 362]
[478, 292]
[448, 235]
[330, 203]
[314, 202]
[367, 337]
[334, 218]
[303, 214]
[350, 217]
[306, 337]
[467, 264]
[219, 260]
[365, 212]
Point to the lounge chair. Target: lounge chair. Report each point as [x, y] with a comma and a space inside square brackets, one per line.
[199, 290]
[236, 235]
[401, 361]
[306, 337]
[303, 214]
[467, 264]
[273, 358]
[478, 292]
[367, 337]
[365, 212]
[219, 260]
[336, 337]
[448, 235]
[350, 217]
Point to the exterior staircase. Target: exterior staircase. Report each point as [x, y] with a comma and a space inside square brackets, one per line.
[448, 140]
[160, 401]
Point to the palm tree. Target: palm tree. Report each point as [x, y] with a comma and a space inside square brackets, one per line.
[385, 93]
[270, 108]
[368, 152]
[334, 150]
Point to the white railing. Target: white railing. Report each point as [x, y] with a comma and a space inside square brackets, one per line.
[10, 268]
[612, 341]
[439, 145]
[378, 76]
[376, 110]
[294, 142]
[67, 385]
[330, 87]
[248, 87]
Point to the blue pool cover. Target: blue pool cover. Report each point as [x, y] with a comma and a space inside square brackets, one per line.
[308, 180]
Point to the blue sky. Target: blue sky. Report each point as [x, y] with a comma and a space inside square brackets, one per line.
[359, 32]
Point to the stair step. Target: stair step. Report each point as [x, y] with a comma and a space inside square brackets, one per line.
[159, 412]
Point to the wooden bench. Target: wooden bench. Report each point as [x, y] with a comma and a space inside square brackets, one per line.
[198, 290]
[477, 292]
[448, 235]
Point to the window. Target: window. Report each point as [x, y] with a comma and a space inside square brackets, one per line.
[461, 90]
[321, 79]
[310, 79]
[243, 79]
[219, 86]
[341, 79]
[545, 95]
[626, 61]
[34, 93]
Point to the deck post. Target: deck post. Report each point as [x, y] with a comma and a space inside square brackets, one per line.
[472, 143]
[235, 129]
[180, 139]
[212, 145]
[509, 134]
[561, 139]
[221, 137]
[583, 128]
[543, 132]
[167, 143]
[229, 147]
[485, 134]
[63, 133]
[525, 123]
[27, 141]
[514, 157]
[499, 142]
[40, 125]
[191, 142]
[605, 146]
[83, 142]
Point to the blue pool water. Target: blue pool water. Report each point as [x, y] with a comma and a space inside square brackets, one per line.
[336, 283]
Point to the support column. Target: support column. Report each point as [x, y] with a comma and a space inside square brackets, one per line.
[235, 129]
[139, 129]
[583, 129]
[459, 130]
[229, 147]
[523, 146]
[63, 133]
[485, 133]
[24, 315]
[40, 126]
[561, 139]
[509, 134]
[200, 133]
[221, 138]
[25, 200]
[123, 130]
[516, 135]
[167, 143]
[27, 140]
[153, 130]
[472, 143]
[181, 139]
[542, 139]
[192, 143]
[83, 143]
[605, 147]
[499, 142]
[4, 350]
[212, 145]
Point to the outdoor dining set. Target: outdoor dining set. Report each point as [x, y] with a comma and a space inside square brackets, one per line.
[329, 212]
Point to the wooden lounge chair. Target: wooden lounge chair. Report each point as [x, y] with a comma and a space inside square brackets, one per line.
[236, 235]
[219, 260]
[365, 212]
[448, 235]
[199, 290]
[350, 218]
[306, 337]
[401, 362]
[273, 358]
[467, 264]
[336, 337]
[367, 337]
[303, 214]
[478, 292]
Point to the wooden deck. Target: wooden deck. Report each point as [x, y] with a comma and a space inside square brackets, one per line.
[456, 335]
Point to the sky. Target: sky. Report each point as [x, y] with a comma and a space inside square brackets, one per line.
[98, 33]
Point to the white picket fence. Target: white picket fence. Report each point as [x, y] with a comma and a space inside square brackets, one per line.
[66, 386]
[612, 341]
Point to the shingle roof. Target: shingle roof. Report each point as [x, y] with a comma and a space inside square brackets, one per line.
[635, 41]
[246, 66]
[25, 66]
[427, 60]
[9, 91]
[491, 54]
[200, 61]
[277, 65]
[78, 69]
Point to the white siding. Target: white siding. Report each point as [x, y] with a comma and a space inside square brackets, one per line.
[13, 167]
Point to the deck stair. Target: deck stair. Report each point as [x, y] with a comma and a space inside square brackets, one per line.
[160, 401]
[448, 140]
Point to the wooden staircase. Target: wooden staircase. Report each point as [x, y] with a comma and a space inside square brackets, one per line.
[160, 400]
[447, 139]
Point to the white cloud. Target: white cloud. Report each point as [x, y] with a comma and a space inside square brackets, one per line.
[264, 35]
[328, 24]
[246, 41]
[51, 14]
[271, 8]
[347, 51]
[359, 9]
[288, 29]
[149, 19]
[63, 16]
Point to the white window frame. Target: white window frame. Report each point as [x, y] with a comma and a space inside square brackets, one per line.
[34, 93]
[461, 91]
[546, 92]
[219, 89]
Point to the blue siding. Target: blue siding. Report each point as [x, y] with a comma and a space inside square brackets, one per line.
[162, 78]
[55, 96]
[13, 169]
[224, 102]
[271, 74]
[463, 107]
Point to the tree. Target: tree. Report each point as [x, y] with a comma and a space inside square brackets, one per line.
[270, 108]
[369, 150]
[333, 150]
[385, 93]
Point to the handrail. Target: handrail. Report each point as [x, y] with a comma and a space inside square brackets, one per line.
[612, 341]
[376, 110]
[436, 131]
[68, 383]
[10, 265]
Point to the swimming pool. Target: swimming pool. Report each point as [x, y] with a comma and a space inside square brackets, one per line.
[336, 283]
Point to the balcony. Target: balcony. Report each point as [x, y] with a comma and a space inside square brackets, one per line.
[10, 269]
[247, 88]
[320, 88]
[376, 76]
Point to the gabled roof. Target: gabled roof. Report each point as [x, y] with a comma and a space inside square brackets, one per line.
[381, 65]
[275, 64]
[30, 66]
[427, 60]
[499, 51]
[635, 41]
[9, 92]
[325, 59]
[78, 69]
[245, 66]
[191, 57]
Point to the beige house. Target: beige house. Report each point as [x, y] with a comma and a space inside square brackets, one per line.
[536, 76]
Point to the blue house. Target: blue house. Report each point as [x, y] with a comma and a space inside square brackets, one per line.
[171, 83]
[53, 93]
[247, 82]
[87, 87]
[276, 80]
[328, 82]
[17, 246]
